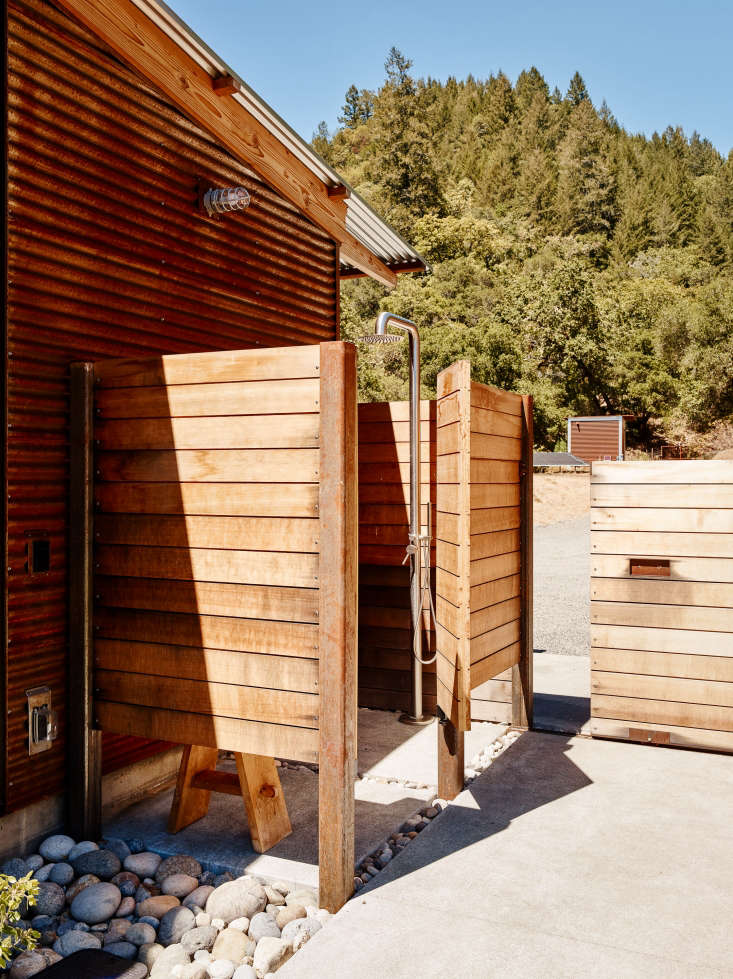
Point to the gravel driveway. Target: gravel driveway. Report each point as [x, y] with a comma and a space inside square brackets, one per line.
[562, 587]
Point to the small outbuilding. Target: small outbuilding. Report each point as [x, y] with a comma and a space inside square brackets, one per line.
[597, 437]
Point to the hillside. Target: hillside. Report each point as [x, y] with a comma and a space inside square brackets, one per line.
[570, 258]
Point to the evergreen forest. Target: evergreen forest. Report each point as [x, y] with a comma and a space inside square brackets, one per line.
[568, 258]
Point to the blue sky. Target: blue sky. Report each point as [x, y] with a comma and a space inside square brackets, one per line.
[656, 63]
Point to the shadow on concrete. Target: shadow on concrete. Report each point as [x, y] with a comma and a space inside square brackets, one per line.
[561, 713]
[532, 773]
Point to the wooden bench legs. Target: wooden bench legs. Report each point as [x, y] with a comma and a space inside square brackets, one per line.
[256, 781]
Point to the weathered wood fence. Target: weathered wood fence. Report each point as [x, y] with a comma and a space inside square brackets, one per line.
[662, 602]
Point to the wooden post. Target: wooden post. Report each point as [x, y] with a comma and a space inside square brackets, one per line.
[522, 680]
[84, 743]
[338, 574]
[451, 762]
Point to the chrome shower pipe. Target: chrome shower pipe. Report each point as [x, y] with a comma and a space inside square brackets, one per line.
[414, 547]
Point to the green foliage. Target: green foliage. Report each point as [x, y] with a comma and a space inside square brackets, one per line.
[13, 893]
[571, 259]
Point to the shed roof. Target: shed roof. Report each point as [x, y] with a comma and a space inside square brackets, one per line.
[152, 38]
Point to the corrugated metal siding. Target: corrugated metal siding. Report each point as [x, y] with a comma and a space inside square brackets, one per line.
[597, 439]
[109, 257]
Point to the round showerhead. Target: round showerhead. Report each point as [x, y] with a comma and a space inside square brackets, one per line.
[382, 338]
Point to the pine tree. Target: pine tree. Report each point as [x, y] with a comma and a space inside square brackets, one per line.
[577, 92]
[587, 181]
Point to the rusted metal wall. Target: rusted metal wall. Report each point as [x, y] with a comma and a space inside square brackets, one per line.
[595, 438]
[109, 257]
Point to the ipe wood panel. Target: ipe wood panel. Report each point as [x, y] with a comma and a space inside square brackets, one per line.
[110, 256]
[385, 631]
[479, 556]
[662, 602]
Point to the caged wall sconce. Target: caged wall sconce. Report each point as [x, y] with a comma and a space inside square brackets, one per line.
[222, 200]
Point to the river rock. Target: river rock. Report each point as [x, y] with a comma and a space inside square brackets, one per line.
[124, 950]
[27, 964]
[86, 846]
[304, 897]
[117, 930]
[143, 864]
[236, 899]
[199, 897]
[74, 941]
[149, 953]
[241, 924]
[291, 913]
[174, 924]
[140, 933]
[270, 954]
[118, 847]
[61, 874]
[44, 873]
[17, 867]
[157, 906]
[148, 919]
[196, 970]
[103, 863]
[168, 959]
[244, 972]
[126, 908]
[127, 882]
[56, 848]
[179, 885]
[232, 945]
[34, 861]
[298, 932]
[263, 925]
[199, 938]
[96, 903]
[51, 899]
[179, 863]
[221, 969]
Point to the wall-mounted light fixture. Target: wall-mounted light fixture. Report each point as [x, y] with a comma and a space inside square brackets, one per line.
[221, 200]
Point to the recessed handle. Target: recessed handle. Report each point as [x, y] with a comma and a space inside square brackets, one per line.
[650, 567]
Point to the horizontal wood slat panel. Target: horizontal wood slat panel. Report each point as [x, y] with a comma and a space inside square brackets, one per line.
[234, 533]
[682, 569]
[205, 697]
[209, 598]
[482, 471]
[211, 466]
[210, 665]
[499, 543]
[398, 473]
[390, 454]
[391, 432]
[662, 664]
[209, 499]
[494, 399]
[648, 544]
[674, 496]
[483, 620]
[191, 400]
[494, 664]
[682, 737]
[662, 592]
[483, 446]
[225, 733]
[651, 519]
[658, 616]
[691, 472]
[661, 640]
[663, 712]
[214, 367]
[393, 411]
[485, 422]
[493, 641]
[218, 432]
[492, 569]
[681, 690]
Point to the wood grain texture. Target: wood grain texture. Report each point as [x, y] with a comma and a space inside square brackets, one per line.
[690, 520]
[229, 432]
[231, 533]
[213, 499]
[642, 543]
[691, 472]
[211, 466]
[680, 689]
[686, 569]
[662, 664]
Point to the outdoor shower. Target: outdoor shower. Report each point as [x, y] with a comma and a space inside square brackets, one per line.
[418, 544]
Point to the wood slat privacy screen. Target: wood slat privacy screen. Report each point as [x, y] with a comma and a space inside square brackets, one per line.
[209, 546]
[479, 549]
[662, 643]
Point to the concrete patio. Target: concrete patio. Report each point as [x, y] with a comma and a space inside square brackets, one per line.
[567, 858]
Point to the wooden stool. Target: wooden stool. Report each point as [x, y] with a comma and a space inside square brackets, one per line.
[256, 781]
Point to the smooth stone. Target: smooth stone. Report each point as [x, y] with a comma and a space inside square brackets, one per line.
[124, 950]
[143, 864]
[241, 924]
[27, 964]
[136, 846]
[270, 954]
[199, 897]
[292, 913]
[75, 941]
[274, 896]
[167, 960]
[157, 906]
[65, 926]
[203, 920]
[16, 867]
[83, 926]
[96, 903]
[103, 863]
[141, 894]
[306, 898]
[196, 970]
[174, 924]
[117, 930]
[49, 955]
[180, 863]
[140, 933]
[34, 861]
[218, 923]
[245, 972]
[51, 899]
[199, 938]
[179, 885]
[56, 848]
[202, 956]
[263, 925]
[236, 899]
[61, 874]
[120, 849]
[136, 971]
[127, 882]
[221, 969]
[86, 846]
[43, 921]
[297, 933]
[149, 919]
[148, 954]
[44, 873]
[232, 945]
[282, 887]
[127, 907]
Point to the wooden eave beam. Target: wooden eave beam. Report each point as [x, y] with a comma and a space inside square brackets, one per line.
[338, 192]
[147, 48]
